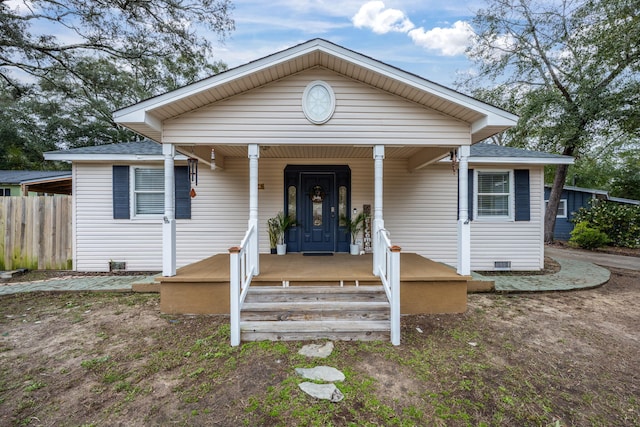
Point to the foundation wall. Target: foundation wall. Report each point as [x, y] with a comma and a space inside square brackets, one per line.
[213, 297]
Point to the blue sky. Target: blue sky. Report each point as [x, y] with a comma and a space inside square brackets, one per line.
[424, 37]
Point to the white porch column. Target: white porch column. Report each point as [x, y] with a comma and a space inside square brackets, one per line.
[254, 155]
[378, 221]
[169, 221]
[464, 227]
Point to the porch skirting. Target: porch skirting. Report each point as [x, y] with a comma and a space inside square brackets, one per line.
[426, 287]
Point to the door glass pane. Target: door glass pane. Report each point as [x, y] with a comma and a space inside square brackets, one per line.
[317, 214]
[291, 206]
[342, 205]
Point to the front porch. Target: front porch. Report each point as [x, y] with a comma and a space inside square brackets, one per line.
[203, 287]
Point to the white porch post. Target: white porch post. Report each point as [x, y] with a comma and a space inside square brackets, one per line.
[378, 221]
[254, 255]
[169, 221]
[464, 227]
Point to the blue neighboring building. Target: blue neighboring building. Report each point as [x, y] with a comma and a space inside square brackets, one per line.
[572, 199]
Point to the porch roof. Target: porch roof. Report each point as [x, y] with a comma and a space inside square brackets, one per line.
[147, 117]
[152, 151]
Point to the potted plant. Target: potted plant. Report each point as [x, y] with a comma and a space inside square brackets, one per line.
[354, 226]
[272, 228]
[282, 223]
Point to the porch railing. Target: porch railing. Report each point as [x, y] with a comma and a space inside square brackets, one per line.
[388, 269]
[242, 270]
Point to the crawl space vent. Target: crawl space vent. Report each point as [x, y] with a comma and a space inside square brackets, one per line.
[502, 265]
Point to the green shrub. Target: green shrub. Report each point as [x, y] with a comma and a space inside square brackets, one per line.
[621, 223]
[587, 237]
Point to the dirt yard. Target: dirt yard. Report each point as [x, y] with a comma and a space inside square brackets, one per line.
[559, 359]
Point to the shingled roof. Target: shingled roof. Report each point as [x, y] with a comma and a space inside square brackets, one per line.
[483, 149]
[147, 148]
[22, 176]
[143, 148]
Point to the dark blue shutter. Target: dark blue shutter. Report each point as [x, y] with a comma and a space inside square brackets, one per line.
[182, 192]
[523, 202]
[120, 188]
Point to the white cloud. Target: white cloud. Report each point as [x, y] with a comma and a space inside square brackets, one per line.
[450, 41]
[21, 7]
[380, 20]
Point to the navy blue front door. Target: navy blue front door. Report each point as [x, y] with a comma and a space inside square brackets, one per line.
[317, 195]
[317, 220]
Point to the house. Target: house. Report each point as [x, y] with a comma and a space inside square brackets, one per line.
[20, 182]
[572, 199]
[320, 132]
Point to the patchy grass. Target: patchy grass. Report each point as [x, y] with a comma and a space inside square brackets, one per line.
[554, 359]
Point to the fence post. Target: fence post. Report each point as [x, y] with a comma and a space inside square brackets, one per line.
[234, 292]
[394, 278]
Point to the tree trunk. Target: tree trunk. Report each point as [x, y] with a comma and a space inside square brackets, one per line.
[554, 200]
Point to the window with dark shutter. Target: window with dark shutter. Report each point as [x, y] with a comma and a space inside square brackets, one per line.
[148, 192]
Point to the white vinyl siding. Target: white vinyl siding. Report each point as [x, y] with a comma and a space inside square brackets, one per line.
[520, 242]
[219, 215]
[273, 115]
[419, 211]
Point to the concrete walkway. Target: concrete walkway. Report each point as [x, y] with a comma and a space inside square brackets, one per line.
[573, 274]
[578, 270]
[78, 284]
[606, 260]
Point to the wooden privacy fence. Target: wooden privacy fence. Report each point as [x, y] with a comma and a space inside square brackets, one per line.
[36, 233]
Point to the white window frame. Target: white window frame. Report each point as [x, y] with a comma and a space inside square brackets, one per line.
[133, 194]
[5, 191]
[511, 196]
[562, 205]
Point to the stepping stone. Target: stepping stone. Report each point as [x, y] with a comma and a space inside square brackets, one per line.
[322, 391]
[321, 373]
[317, 350]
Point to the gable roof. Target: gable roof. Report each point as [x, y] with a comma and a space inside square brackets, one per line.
[20, 177]
[146, 117]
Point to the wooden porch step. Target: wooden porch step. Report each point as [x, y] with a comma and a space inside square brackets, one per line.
[315, 293]
[314, 312]
[312, 330]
